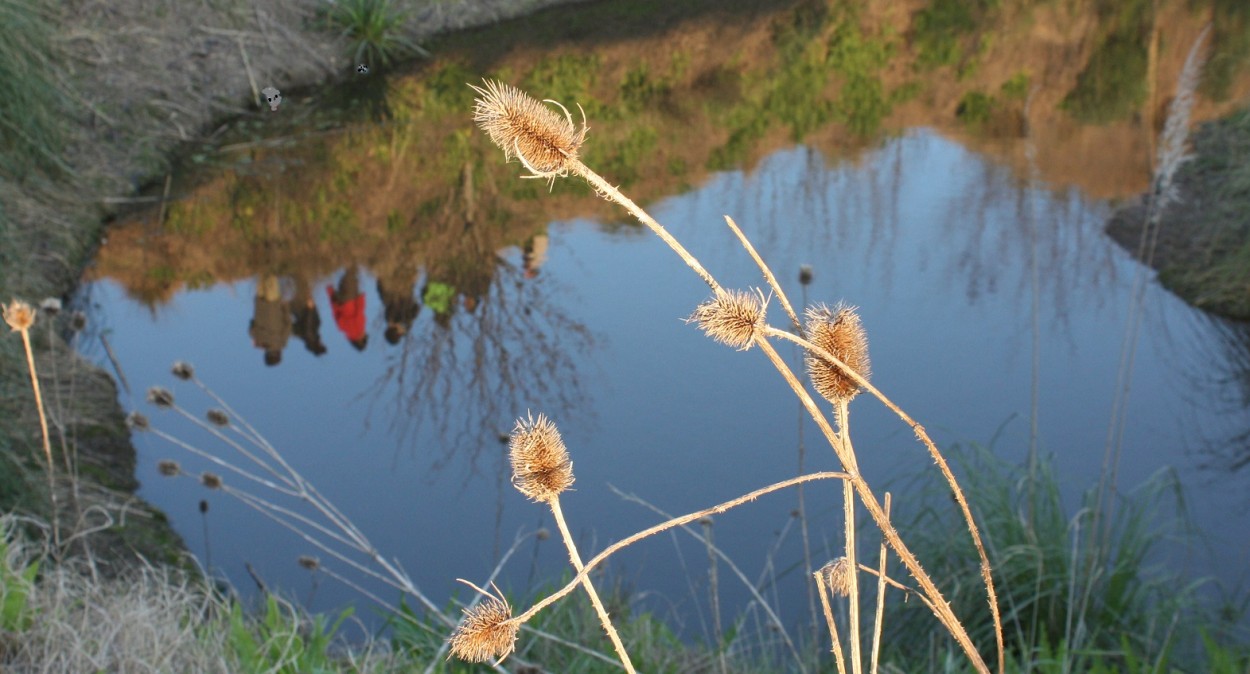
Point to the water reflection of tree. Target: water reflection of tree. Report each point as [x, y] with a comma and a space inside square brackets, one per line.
[467, 378]
[1222, 374]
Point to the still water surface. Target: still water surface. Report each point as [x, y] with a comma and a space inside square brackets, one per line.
[987, 298]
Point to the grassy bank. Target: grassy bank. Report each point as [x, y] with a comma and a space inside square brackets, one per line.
[1203, 250]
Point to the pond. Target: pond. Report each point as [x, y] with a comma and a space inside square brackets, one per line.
[362, 278]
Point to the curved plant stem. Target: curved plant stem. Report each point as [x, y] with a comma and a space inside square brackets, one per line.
[576, 560]
[665, 526]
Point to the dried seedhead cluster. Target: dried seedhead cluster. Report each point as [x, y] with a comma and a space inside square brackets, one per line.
[486, 632]
[839, 332]
[541, 468]
[19, 315]
[733, 317]
[544, 141]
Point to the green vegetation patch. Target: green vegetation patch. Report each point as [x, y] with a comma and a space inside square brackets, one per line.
[939, 31]
[1113, 84]
[32, 105]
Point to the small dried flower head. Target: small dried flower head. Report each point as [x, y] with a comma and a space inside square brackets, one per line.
[543, 140]
[210, 480]
[732, 317]
[486, 632]
[542, 534]
[203, 507]
[541, 468]
[168, 468]
[309, 562]
[217, 417]
[137, 421]
[50, 306]
[839, 332]
[183, 370]
[161, 397]
[705, 521]
[805, 274]
[19, 315]
[78, 321]
[837, 574]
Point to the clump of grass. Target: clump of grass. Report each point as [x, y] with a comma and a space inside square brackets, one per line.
[31, 101]
[376, 29]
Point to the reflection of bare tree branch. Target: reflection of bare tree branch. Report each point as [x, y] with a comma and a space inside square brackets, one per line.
[467, 379]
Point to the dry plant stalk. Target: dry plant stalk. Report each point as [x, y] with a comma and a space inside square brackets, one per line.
[518, 124]
[824, 586]
[542, 470]
[880, 615]
[21, 316]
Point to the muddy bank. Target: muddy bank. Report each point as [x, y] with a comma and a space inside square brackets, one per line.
[1202, 242]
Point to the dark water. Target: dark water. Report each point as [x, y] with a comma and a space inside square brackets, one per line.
[987, 298]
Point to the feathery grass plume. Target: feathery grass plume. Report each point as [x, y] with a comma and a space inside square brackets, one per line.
[487, 630]
[838, 575]
[541, 468]
[217, 418]
[183, 370]
[839, 332]
[168, 468]
[732, 317]
[19, 315]
[137, 421]
[210, 480]
[161, 397]
[523, 127]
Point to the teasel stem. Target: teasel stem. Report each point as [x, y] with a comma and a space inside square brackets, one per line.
[848, 514]
[576, 560]
[21, 316]
[768, 273]
[875, 510]
[665, 526]
[880, 616]
[836, 646]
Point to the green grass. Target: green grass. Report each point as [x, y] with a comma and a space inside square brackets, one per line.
[376, 29]
[32, 103]
[1071, 600]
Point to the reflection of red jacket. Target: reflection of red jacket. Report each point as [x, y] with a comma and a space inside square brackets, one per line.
[349, 315]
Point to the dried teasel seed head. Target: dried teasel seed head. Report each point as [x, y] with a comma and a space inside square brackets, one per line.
[183, 370]
[705, 521]
[78, 321]
[161, 397]
[217, 418]
[732, 317]
[839, 332]
[545, 141]
[542, 534]
[137, 421]
[203, 507]
[486, 632]
[210, 480]
[168, 468]
[309, 562]
[805, 274]
[541, 468]
[19, 315]
[837, 574]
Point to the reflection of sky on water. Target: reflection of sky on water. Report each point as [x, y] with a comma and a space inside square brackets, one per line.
[937, 247]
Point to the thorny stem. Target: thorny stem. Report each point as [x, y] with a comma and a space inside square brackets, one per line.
[848, 526]
[664, 526]
[576, 560]
[836, 644]
[880, 616]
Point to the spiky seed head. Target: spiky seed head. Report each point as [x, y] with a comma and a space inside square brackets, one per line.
[161, 397]
[541, 468]
[839, 332]
[210, 480]
[309, 562]
[217, 417]
[183, 370]
[837, 574]
[137, 421]
[486, 632]
[19, 315]
[168, 468]
[733, 317]
[805, 274]
[543, 140]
